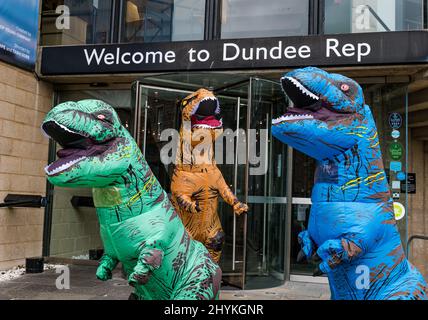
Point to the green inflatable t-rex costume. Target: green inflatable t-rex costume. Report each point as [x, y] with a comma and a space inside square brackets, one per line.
[139, 226]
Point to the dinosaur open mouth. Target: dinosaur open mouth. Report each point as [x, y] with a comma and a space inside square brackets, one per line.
[207, 114]
[307, 105]
[76, 147]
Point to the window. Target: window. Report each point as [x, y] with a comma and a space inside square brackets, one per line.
[68, 22]
[273, 18]
[353, 16]
[160, 21]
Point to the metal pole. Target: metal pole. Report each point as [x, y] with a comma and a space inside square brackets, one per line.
[235, 182]
[289, 191]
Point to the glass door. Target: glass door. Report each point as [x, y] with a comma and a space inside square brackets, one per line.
[303, 181]
[232, 164]
[267, 226]
[158, 110]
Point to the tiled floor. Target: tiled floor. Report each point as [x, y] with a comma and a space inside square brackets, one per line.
[84, 286]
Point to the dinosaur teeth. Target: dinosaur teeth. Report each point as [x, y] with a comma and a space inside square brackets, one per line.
[65, 128]
[302, 88]
[209, 98]
[44, 132]
[217, 110]
[292, 117]
[62, 167]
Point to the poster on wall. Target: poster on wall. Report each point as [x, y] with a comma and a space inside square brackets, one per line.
[18, 32]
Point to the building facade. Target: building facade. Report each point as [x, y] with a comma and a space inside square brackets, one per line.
[143, 57]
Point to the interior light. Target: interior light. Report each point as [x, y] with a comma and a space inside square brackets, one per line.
[132, 13]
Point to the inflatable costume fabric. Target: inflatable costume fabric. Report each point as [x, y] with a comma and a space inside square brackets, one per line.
[352, 231]
[139, 227]
[197, 182]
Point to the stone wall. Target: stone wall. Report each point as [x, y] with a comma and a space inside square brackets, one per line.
[24, 102]
[74, 230]
[418, 205]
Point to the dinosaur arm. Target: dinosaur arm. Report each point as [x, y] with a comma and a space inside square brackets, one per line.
[338, 251]
[149, 259]
[229, 197]
[307, 244]
[186, 203]
[106, 267]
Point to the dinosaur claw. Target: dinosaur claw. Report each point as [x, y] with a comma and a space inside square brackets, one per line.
[300, 256]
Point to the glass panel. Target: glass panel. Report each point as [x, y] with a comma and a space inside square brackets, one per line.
[194, 80]
[386, 100]
[266, 227]
[160, 110]
[303, 182]
[234, 110]
[71, 22]
[159, 21]
[353, 16]
[75, 230]
[274, 18]
[303, 175]
[300, 219]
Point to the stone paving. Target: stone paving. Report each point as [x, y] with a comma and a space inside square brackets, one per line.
[84, 286]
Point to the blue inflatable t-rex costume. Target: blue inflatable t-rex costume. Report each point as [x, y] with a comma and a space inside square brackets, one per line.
[352, 229]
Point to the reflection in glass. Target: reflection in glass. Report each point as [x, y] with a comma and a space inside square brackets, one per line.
[160, 21]
[160, 111]
[383, 101]
[354, 16]
[274, 18]
[76, 22]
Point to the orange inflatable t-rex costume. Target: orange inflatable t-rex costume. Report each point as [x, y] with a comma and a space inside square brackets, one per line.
[197, 182]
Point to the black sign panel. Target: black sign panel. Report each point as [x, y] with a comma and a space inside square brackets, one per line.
[411, 184]
[395, 120]
[332, 50]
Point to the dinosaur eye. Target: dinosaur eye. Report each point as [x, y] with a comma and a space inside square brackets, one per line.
[101, 116]
[185, 102]
[344, 87]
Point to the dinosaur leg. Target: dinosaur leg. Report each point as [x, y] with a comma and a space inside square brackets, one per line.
[106, 267]
[205, 281]
[215, 245]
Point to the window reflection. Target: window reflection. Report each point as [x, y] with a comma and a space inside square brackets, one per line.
[68, 22]
[354, 16]
[253, 18]
[160, 21]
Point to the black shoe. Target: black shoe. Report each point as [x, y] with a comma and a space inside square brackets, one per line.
[132, 296]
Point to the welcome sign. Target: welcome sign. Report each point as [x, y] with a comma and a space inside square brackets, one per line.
[350, 49]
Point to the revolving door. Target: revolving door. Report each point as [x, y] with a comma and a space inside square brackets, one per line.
[252, 163]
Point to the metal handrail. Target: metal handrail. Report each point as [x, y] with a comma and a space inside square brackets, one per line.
[23, 200]
[416, 236]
